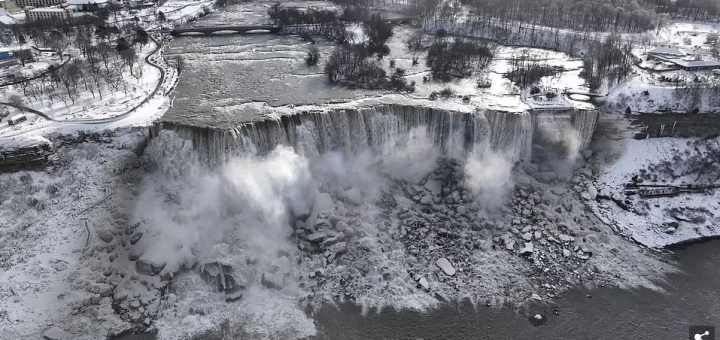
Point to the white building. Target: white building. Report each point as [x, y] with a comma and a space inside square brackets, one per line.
[77, 5]
[665, 52]
[38, 3]
[46, 14]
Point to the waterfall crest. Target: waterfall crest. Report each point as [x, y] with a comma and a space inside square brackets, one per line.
[351, 130]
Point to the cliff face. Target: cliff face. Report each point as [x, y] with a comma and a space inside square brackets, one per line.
[26, 158]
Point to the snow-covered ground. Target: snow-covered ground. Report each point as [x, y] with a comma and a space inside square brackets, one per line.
[642, 96]
[660, 221]
[51, 269]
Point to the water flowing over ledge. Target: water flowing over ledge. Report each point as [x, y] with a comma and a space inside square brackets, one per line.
[350, 130]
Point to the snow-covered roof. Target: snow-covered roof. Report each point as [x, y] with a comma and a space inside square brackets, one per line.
[666, 50]
[6, 20]
[47, 9]
[698, 63]
[86, 2]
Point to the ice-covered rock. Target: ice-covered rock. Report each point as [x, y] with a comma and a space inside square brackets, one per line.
[445, 266]
[510, 245]
[340, 208]
[338, 248]
[281, 264]
[316, 237]
[592, 191]
[55, 333]
[527, 250]
[324, 202]
[341, 226]
[434, 187]
[273, 280]
[105, 235]
[353, 196]
[558, 191]
[300, 209]
[149, 266]
[134, 238]
[424, 284]
[234, 297]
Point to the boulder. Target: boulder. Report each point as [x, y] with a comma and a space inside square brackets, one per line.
[273, 280]
[341, 226]
[149, 266]
[316, 237]
[527, 236]
[282, 265]
[324, 202]
[536, 297]
[527, 250]
[558, 191]
[338, 248]
[566, 253]
[592, 191]
[510, 245]
[424, 284]
[461, 209]
[55, 333]
[105, 235]
[134, 238]
[538, 234]
[340, 208]
[135, 253]
[353, 196]
[234, 297]
[445, 266]
[434, 187]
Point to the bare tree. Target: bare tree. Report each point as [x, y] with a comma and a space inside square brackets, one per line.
[129, 57]
[18, 101]
[24, 56]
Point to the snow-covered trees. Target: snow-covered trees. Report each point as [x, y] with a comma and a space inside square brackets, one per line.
[458, 57]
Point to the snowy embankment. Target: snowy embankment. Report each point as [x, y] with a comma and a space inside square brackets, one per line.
[55, 235]
[661, 221]
[643, 94]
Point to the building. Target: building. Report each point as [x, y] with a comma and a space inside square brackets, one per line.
[46, 14]
[665, 53]
[697, 65]
[5, 18]
[9, 6]
[86, 5]
[38, 3]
